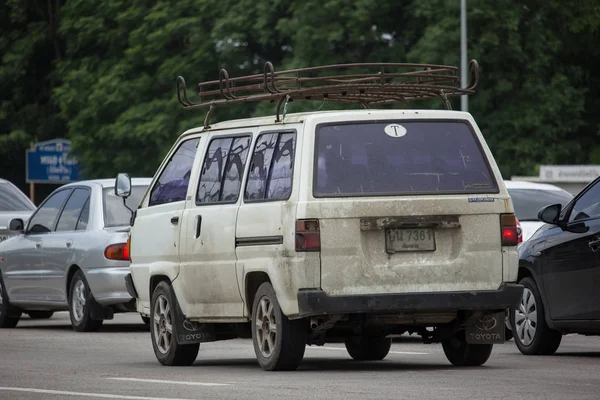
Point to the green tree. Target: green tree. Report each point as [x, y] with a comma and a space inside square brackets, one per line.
[537, 97]
[29, 44]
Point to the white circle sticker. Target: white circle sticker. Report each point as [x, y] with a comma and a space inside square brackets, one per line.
[395, 130]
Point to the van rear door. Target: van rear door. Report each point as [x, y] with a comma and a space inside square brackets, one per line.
[406, 206]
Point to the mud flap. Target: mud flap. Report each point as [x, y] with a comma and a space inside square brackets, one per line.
[486, 329]
[189, 332]
[97, 312]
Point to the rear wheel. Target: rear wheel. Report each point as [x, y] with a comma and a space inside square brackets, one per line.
[463, 354]
[532, 334]
[40, 314]
[368, 348]
[9, 315]
[279, 343]
[80, 304]
[163, 330]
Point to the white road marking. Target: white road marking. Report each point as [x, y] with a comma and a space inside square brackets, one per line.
[391, 352]
[171, 382]
[83, 394]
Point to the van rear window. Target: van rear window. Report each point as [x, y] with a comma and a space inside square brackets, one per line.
[400, 158]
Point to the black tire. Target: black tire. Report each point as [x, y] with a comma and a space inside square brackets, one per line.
[368, 348]
[40, 314]
[545, 340]
[463, 354]
[9, 315]
[289, 341]
[174, 354]
[81, 319]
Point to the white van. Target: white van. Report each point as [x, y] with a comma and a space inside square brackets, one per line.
[354, 225]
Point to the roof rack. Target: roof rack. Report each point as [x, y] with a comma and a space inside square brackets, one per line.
[363, 83]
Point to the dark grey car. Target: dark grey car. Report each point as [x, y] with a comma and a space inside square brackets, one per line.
[71, 255]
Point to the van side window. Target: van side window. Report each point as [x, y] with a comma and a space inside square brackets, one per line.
[173, 181]
[222, 170]
[270, 174]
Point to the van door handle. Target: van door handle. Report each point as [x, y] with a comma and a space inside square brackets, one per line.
[175, 220]
[38, 245]
[69, 243]
[198, 226]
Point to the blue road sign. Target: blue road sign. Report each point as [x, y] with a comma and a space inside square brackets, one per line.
[50, 162]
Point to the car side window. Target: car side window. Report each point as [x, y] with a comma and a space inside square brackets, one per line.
[173, 181]
[270, 173]
[84, 216]
[70, 214]
[588, 205]
[44, 219]
[222, 170]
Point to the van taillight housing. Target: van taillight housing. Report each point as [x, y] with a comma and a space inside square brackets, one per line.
[118, 251]
[509, 230]
[308, 235]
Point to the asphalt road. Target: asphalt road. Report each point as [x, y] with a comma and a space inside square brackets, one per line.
[47, 360]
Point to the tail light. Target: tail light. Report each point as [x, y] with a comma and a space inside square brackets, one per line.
[519, 231]
[510, 234]
[308, 236]
[119, 251]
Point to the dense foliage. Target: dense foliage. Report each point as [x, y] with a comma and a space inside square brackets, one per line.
[102, 73]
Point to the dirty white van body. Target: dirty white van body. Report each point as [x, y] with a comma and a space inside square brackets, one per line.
[342, 224]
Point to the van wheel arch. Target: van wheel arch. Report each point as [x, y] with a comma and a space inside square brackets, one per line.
[155, 280]
[253, 281]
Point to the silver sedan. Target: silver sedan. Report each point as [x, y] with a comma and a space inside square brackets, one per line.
[72, 254]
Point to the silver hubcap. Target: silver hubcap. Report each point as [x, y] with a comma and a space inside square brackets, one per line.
[266, 327]
[526, 318]
[163, 327]
[78, 300]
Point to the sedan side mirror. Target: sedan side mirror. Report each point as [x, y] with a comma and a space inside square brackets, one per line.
[16, 224]
[123, 185]
[550, 214]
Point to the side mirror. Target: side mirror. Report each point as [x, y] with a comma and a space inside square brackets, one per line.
[123, 185]
[550, 214]
[16, 224]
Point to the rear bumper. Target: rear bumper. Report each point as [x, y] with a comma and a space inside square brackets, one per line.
[107, 285]
[317, 302]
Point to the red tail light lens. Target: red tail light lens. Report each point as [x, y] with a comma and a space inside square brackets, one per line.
[308, 235]
[510, 233]
[519, 231]
[119, 251]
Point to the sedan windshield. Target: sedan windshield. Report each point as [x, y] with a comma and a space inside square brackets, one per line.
[115, 212]
[13, 200]
[528, 202]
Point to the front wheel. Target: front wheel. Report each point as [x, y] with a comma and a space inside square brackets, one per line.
[279, 343]
[163, 330]
[368, 348]
[532, 334]
[80, 304]
[463, 354]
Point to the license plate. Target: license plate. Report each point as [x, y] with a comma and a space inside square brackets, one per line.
[486, 329]
[400, 240]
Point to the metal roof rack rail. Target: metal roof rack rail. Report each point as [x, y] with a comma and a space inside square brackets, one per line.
[364, 83]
